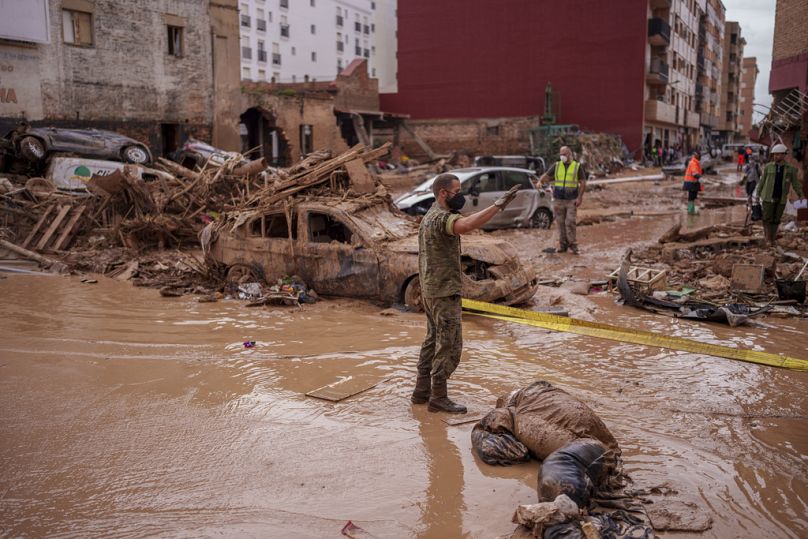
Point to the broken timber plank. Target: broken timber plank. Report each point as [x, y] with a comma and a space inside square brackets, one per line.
[68, 228]
[361, 180]
[424, 146]
[45, 261]
[38, 225]
[52, 228]
[359, 128]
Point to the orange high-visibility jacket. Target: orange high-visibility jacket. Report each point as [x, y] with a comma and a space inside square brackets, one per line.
[693, 168]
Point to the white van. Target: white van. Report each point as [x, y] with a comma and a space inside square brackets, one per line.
[730, 151]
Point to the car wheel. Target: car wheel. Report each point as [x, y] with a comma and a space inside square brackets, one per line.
[542, 218]
[135, 154]
[32, 149]
[240, 274]
[412, 294]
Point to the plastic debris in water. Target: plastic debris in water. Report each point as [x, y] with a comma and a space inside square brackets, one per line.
[249, 344]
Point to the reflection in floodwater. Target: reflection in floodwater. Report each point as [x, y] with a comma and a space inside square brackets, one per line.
[128, 414]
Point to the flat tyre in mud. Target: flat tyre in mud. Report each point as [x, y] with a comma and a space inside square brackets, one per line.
[542, 218]
[240, 274]
[412, 294]
[32, 149]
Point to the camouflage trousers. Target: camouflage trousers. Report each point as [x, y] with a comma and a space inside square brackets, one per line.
[440, 353]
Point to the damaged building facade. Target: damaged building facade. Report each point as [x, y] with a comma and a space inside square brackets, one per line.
[170, 72]
[284, 122]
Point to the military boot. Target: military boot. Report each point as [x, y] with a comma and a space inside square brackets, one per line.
[439, 401]
[423, 389]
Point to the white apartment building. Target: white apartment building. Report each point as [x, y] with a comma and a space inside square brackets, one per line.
[292, 40]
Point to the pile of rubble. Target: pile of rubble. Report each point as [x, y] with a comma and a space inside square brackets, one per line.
[114, 226]
[722, 266]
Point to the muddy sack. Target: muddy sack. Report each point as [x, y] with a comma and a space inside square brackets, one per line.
[541, 417]
[578, 469]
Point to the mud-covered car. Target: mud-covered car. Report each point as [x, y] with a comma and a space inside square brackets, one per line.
[358, 249]
[35, 144]
[196, 154]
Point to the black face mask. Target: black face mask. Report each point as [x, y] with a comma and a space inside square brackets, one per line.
[457, 202]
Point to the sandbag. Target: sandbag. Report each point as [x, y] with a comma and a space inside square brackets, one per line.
[577, 470]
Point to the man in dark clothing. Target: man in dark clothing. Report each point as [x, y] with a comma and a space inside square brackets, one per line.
[439, 273]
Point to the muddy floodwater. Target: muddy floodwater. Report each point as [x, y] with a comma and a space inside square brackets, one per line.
[125, 414]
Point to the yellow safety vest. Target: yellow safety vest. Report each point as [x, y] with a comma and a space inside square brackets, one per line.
[566, 177]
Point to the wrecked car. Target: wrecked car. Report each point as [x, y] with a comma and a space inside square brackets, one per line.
[35, 144]
[196, 154]
[357, 248]
[532, 207]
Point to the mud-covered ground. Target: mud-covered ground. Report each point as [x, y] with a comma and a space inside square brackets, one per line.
[128, 414]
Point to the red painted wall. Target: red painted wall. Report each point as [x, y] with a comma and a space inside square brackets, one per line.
[493, 58]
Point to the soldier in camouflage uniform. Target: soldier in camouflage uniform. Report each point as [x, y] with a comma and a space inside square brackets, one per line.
[439, 274]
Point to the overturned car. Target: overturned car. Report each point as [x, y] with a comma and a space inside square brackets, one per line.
[357, 248]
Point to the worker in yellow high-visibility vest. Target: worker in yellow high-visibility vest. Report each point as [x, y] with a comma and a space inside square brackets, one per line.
[569, 184]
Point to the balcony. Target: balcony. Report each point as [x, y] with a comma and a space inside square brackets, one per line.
[700, 63]
[276, 58]
[657, 72]
[659, 112]
[659, 32]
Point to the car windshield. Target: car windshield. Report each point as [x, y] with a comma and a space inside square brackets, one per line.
[380, 224]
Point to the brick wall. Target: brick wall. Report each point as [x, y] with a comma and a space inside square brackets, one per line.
[791, 29]
[496, 136]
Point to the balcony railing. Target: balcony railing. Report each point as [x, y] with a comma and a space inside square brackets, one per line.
[659, 32]
[657, 72]
[659, 111]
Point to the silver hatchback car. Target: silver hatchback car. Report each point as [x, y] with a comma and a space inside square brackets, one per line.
[482, 186]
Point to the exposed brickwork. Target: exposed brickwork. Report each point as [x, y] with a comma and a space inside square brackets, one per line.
[791, 29]
[479, 137]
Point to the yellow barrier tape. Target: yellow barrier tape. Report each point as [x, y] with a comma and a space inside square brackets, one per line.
[628, 335]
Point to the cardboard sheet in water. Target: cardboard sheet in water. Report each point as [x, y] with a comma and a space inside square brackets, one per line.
[348, 386]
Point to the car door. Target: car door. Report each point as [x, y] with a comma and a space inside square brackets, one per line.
[334, 258]
[481, 192]
[270, 243]
[522, 207]
[80, 141]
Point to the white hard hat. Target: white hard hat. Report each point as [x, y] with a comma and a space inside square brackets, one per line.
[779, 148]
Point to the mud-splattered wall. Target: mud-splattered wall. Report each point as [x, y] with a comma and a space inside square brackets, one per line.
[126, 77]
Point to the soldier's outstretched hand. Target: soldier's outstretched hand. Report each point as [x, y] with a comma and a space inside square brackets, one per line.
[507, 198]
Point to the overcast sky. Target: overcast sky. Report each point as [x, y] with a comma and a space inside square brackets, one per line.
[757, 26]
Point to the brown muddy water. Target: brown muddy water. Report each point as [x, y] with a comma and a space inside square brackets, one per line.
[125, 414]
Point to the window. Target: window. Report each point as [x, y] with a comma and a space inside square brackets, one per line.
[373, 72]
[274, 225]
[313, 56]
[285, 4]
[284, 27]
[511, 178]
[262, 73]
[77, 27]
[358, 26]
[366, 53]
[492, 131]
[246, 53]
[339, 20]
[262, 52]
[366, 29]
[306, 136]
[373, 5]
[340, 46]
[294, 51]
[373, 27]
[245, 21]
[175, 41]
[261, 25]
[313, 29]
[358, 50]
[245, 73]
[325, 229]
[311, 3]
